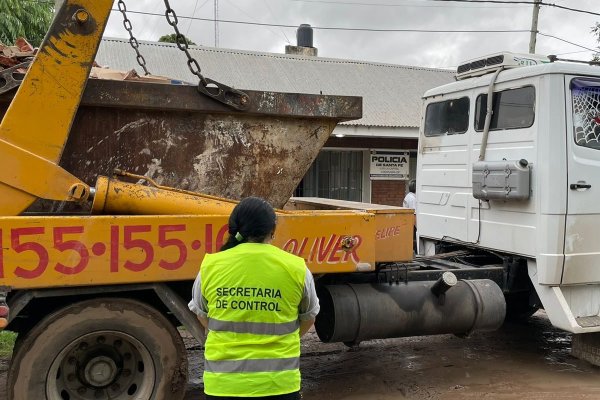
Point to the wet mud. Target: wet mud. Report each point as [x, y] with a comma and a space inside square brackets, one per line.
[524, 361]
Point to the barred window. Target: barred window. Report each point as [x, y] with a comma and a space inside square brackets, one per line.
[334, 175]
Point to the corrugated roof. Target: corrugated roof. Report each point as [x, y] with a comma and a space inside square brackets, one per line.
[391, 93]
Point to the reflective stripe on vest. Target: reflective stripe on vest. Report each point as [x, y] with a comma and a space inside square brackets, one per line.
[253, 292]
[257, 328]
[263, 365]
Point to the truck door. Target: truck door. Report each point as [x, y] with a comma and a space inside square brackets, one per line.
[582, 230]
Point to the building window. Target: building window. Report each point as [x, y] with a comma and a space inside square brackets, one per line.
[447, 117]
[512, 109]
[334, 175]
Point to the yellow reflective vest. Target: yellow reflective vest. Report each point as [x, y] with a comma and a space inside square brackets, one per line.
[253, 292]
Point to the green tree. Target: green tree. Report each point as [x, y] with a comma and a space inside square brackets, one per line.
[28, 19]
[171, 39]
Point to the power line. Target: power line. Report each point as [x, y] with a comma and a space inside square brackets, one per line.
[514, 2]
[272, 14]
[232, 3]
[332, 28]
[505, 2]
[392, 30]
[371, 29]
[571, 52]
[491, 1]
[187, 32]
[578, 10]
[353, 3]
[566, 41]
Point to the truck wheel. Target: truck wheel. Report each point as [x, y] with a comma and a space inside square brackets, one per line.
[100, 349]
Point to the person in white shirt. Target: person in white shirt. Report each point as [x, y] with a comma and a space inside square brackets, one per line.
[410, 201]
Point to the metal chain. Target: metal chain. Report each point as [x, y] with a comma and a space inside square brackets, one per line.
[219, 92]
[132, 40]
[182, 43]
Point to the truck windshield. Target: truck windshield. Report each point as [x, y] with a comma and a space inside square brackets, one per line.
[586, 112]
[447, 117]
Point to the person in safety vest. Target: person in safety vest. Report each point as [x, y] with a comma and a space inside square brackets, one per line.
[255, 300]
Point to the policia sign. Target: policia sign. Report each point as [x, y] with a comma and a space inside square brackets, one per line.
[389, 165]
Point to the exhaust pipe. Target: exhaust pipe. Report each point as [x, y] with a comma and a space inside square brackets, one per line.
[352, 313]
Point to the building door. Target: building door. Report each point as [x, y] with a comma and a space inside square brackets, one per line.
[582, 243]
[335, 174]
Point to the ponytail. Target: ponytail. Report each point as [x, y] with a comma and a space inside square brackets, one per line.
[252, 220]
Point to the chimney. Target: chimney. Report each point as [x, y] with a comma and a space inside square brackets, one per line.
[304, 40]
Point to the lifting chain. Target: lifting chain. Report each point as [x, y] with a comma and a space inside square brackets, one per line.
[182, 43]
[223, 93]
[217, 91]
[132, 40]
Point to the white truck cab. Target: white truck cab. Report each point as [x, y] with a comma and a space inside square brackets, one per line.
[528, 187]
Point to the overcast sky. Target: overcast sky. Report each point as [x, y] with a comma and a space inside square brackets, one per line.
[422, 49]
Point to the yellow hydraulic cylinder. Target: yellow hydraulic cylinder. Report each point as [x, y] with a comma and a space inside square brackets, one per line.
[113, 196]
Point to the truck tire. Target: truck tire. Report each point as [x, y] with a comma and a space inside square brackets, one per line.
[98, 349]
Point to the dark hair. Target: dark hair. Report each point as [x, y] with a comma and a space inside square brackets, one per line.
[412, 186]
[252, 220]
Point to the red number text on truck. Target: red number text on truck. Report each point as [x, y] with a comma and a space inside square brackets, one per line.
[136, 248]
[75, 246]
[19, 244]
[165, 242]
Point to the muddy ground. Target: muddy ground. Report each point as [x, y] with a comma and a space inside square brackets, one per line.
[521, 361]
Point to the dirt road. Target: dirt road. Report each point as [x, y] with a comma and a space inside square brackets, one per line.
[521, 361]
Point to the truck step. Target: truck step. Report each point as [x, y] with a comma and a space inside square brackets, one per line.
[588, 322]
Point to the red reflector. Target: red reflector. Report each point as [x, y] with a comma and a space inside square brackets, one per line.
[3, 311]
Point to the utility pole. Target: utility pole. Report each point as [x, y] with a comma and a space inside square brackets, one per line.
[534, 26]
[216, 23]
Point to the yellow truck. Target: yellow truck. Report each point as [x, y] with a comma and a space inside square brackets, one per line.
[97, 258]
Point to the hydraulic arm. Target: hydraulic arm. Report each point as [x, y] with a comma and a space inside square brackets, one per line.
[53, 87]
[31, 145]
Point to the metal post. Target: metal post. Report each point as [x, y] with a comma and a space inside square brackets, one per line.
[534, 26]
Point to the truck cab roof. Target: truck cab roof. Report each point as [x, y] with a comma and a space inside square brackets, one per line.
[516, 73]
